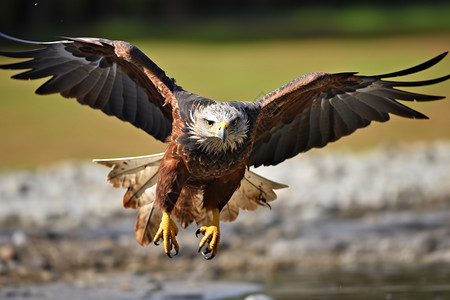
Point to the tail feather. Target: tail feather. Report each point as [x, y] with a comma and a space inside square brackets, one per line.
[254, 191]
[139, 176]
[147, 224]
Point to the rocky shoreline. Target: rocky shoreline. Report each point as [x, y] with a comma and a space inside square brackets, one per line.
[389, 206]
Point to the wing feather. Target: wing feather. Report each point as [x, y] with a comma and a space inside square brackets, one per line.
[58, 68]
[129, 92]
[68, 83]
[344, 113]
[365, 111]
[94, 94]
[319, 108]
[389, 106]
[113, 76]
[326, 131]
[105, 89]
[115, 105]
[315, 132]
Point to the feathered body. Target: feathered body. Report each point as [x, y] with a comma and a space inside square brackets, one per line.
[198, 164]
[204, 174]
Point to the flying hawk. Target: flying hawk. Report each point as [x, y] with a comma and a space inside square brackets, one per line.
[204, 174]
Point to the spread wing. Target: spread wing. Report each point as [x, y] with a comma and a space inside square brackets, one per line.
[319, 108]
[113, 76]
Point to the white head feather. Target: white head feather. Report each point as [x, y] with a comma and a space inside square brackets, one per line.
[204, 125]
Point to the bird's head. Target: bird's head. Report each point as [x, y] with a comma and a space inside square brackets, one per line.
[219, 127]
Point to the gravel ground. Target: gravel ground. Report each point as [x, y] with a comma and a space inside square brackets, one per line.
[389, 206]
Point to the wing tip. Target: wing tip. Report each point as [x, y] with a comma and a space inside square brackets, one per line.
[11, 38]
[420, 67]
[420, 116]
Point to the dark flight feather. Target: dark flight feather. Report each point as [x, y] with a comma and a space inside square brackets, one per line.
[319, 108]
[112, 76]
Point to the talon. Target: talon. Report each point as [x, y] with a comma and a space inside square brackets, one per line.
[211, 237]
[209, 257]
[170, 255]
[167, 232]
[206, 252]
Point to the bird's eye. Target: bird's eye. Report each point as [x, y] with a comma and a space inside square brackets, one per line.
[209, 123]
[234, 122]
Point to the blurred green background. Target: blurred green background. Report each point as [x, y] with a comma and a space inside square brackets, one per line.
[224, 50]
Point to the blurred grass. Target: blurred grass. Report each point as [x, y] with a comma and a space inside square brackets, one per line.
[313, 20]
[42, 129]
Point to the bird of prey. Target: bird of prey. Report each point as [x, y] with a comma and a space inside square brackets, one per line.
[204, 175]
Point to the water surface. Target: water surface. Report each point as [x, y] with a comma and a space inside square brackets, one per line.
[396, 283]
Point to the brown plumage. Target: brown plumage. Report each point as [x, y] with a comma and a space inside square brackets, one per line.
[211, 145]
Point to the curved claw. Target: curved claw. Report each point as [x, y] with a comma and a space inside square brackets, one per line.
[211, 237]
[170, 255]
[196, 235]
[171, 246]
[209, 243]
[206, 252]
[203, 252]
[208, 257]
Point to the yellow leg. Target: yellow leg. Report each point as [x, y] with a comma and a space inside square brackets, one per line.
[167, 231]
[212, 236]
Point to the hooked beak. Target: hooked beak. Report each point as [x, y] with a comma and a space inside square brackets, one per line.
[222, 131]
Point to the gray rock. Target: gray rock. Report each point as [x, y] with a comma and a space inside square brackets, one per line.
[342, 209]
